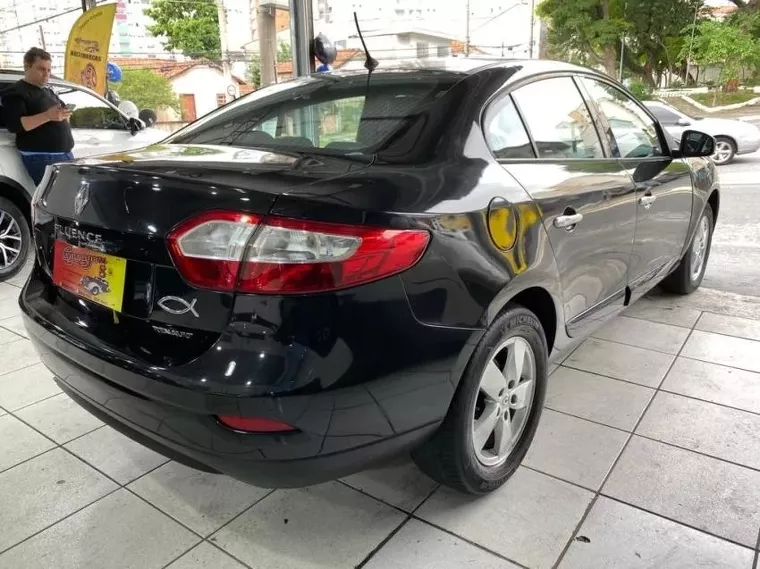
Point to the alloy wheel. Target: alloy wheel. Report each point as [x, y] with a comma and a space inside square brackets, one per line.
[723, 152]
[10, 240]
[504, 401]
[699, 248]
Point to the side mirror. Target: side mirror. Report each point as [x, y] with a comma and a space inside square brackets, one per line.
[683, 122]
[695, 144]
[135, 125]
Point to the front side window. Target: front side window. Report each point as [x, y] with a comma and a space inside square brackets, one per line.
[90, 111]
[505, 132]
[558, 119]
[632, 132]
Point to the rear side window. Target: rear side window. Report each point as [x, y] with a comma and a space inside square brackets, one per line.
[339, 115]
[634, 134]
[558, 119]
[505, 132]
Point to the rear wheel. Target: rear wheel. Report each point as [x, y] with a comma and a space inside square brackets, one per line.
[725, 150]
[690, 272]
[493, 417]
[14, 239]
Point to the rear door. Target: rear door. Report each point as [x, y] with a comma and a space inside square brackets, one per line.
[586, 198]
[663, 185]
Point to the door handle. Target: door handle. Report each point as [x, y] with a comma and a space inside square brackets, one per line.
[647, 200]
[568, 221]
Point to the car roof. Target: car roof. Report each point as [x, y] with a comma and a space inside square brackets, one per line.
[14, 74]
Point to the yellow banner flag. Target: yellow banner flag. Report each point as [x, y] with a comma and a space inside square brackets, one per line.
[87, 48]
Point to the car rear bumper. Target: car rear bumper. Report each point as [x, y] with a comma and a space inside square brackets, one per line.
[339, 431]
[747, 145]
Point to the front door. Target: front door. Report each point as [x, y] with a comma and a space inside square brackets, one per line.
[97, 127]
[663, 185]
[187, 108]
[586, 198]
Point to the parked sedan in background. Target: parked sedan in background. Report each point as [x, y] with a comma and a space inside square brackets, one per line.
[732, 137]
[347, 266]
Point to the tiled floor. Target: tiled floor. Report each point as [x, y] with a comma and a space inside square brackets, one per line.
[647, 455]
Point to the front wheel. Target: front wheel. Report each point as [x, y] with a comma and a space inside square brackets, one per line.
[495, 411]
[689, 274]
[15, 239]
[725, 150]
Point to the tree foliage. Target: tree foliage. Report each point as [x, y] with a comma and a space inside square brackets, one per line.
[283, 52]
[146, 89]
[725, 45]
[591, 31]
[254, 71]
[189, 26]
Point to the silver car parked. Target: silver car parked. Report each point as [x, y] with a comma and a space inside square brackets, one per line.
[732, 137]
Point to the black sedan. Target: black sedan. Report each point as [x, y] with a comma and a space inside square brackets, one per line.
[346, 267]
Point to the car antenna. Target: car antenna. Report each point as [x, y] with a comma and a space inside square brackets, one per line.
[370, 64]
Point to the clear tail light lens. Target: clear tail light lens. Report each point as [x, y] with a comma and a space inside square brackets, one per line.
[232, 251]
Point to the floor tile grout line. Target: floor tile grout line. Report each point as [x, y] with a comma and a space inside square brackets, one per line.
[587, 420]
[39, 362]
[67, 516]
[757, 552]
[675, 521]
[596, 373]
[755, 371]
[393, 533]
[407, 514]
[635, 317]
[620, 455]
[4, 470]
[47, 398]
[653, 439]
[21, 336]
[468, 541]
[412, 515]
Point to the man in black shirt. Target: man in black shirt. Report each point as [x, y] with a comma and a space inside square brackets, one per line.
[37, 117]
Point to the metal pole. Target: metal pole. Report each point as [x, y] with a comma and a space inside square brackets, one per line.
[226, 67]
[532, 25]
[467, 33]
[301, 35]
[622, 52]
[265, 26]
[691, 43]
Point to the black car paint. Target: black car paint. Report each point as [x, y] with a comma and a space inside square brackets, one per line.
[364, 372]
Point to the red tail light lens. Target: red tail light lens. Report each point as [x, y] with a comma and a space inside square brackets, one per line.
[232, 251]
[255, 424]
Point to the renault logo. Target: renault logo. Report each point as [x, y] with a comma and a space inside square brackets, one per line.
[82, 198]
[178, 306]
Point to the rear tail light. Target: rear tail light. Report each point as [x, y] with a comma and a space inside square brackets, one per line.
[231, 251]
[255, 424]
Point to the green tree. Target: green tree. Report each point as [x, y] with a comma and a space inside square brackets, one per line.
[590, 31]
[283, 52]
[146, 89]
[189, 26]
[724, 45]
[254, 71]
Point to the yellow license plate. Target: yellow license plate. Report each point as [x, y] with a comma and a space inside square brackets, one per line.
[90, 274]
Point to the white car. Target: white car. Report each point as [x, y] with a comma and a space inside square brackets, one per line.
[98, 127]
[732, 137]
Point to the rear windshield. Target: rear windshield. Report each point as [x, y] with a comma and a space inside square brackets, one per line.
[335, 114]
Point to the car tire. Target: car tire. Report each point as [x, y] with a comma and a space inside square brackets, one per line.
[725, 150]
[454, 456]
[691, 270]
[14, 229]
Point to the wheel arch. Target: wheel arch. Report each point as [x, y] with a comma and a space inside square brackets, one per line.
[713, 201]
[15, 192]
